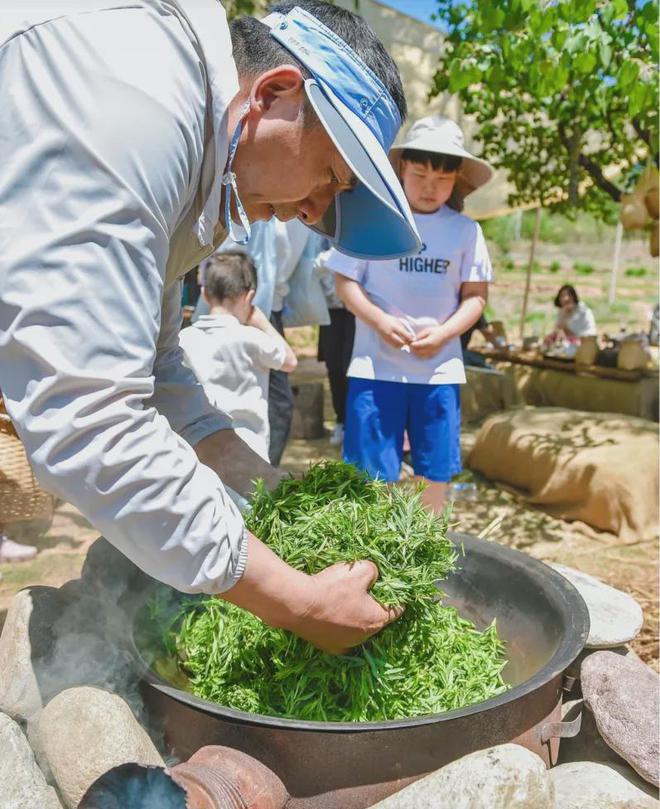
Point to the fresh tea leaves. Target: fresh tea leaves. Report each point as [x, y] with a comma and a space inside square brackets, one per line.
[428, 661]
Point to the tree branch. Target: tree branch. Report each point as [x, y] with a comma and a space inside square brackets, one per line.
[591, 167]
[594, 170]
[645, 136]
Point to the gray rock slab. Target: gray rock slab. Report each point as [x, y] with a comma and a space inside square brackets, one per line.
[22, 784]
[589, 745]
[616, 618]
[83, 732]
[26, 644]
[624, 698]
[589, 785]
[504, 777]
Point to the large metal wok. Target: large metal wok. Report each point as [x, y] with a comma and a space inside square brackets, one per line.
[539, 614]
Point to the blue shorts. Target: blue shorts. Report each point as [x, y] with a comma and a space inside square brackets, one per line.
[378, 413]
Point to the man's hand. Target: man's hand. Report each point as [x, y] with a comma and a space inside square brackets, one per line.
[333, 610]
[342, 613]
[428, 342]
[392, 330]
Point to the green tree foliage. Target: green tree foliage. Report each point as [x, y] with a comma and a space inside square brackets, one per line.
[561, 90]
[238, 8]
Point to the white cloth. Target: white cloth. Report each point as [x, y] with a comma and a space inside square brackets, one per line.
[581, 321]
[290, 242]
[113, 126]
[233, 362]
[422, 291]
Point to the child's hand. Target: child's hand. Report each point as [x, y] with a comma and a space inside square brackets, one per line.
[393, 331]
[428, 342]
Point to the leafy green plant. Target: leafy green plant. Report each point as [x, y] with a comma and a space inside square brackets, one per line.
[554, 267]
[560, 92]
[582, 269]
[635, 272]
[430, 660]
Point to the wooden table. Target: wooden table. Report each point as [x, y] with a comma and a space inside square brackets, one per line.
[550, 382]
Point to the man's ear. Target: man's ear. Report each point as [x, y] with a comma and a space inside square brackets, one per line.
[281, 83]
[249, 298]
[205, 295]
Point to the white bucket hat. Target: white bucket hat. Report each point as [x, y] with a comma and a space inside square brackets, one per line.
[440, 134]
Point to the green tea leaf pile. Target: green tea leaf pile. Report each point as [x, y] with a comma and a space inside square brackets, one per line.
[428, 661]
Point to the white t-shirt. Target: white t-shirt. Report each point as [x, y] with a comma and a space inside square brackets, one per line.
[232, 361]
[422, 291]
[580, 321]
[290, 242]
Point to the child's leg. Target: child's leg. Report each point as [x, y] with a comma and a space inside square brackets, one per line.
[434, 495]
[434, 427]
[375, 419]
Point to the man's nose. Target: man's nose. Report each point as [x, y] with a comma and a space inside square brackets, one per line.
[312, 208]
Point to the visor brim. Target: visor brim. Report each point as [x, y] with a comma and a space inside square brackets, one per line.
[373, 220]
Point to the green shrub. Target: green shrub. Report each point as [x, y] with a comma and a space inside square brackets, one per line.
[582, 269]
[636, 272]
[555, 267]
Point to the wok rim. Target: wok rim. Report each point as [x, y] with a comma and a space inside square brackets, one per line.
[571, 605]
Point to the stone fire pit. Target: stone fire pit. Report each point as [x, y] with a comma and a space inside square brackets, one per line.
[72, 718]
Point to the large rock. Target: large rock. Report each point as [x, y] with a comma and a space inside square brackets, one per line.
[26, 645]
[504, 777]
[589, 745]
[624, 697]
[588, 785]
[22, 785]
[83, 732]
[56, 639]
[616, 618]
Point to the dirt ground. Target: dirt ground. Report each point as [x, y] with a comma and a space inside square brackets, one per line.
[496, 515]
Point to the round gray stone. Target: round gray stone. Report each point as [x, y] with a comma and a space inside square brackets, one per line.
[504, 777]
[22, 785]
[616, 618]
[588, 785]
[624, 698]
[83, 732]
[26, 644]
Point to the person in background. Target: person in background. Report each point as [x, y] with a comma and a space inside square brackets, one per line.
[335, 347]
[407, 365]
[574, 318]
[279, 250]
[234, 347]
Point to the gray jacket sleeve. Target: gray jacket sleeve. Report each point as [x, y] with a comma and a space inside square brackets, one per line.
[99, 151]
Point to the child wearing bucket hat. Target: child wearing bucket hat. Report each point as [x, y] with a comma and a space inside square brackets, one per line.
[407, 365]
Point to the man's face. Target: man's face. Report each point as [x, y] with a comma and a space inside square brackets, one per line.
[427, 189]
[286, 166]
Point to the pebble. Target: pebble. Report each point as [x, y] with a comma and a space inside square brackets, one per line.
[84, 732]
[588, 785]
[616, 618]
[623, 695]
[22, 785]
[507, 776]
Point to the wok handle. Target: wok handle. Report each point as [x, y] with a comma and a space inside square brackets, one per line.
[561, 730]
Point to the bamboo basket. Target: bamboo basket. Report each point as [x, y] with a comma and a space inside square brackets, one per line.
[21, 497]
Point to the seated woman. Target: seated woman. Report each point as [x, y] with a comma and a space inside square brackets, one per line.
[575, 319]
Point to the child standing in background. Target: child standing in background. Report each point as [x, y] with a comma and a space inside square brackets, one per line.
[233, 349]
[407, 365]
